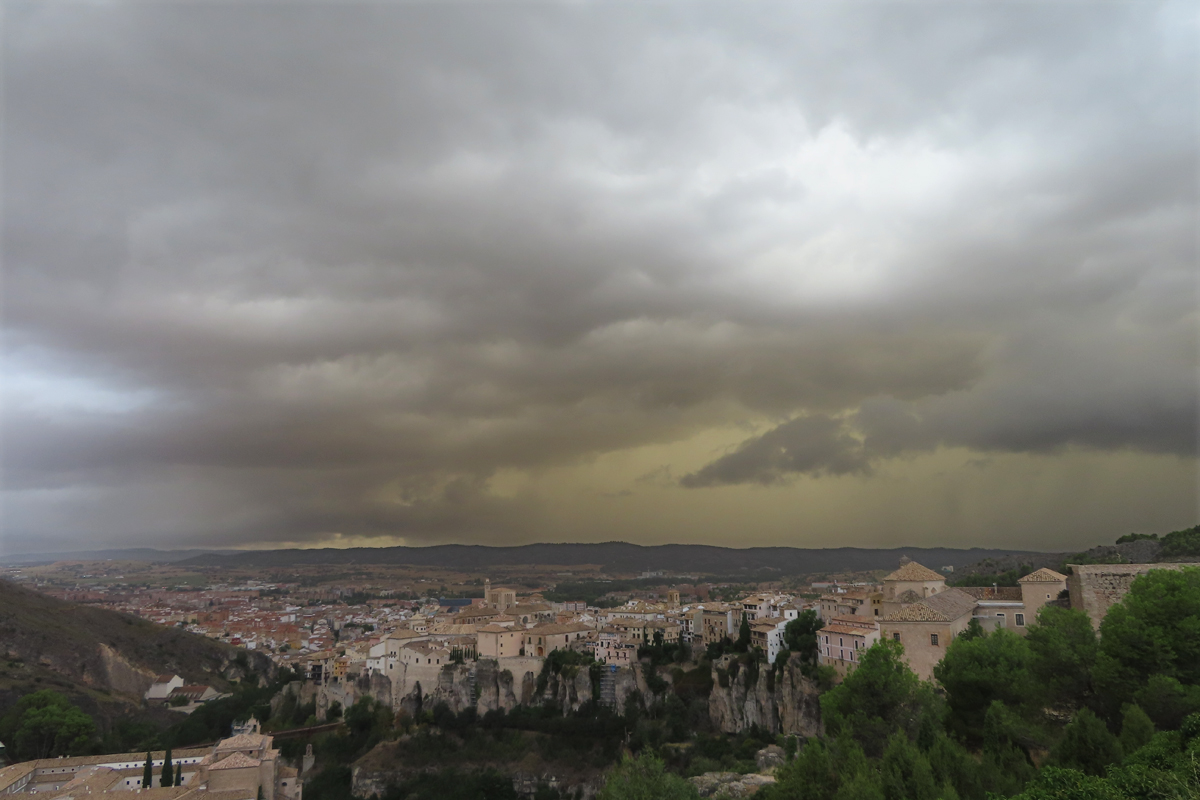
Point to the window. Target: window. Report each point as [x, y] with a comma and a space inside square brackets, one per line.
[1047, 597]
[933, 639]
[1020, 620]
[896, 637]
[841, 643]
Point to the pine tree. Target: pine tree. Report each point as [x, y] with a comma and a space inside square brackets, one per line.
[1086, 745]
[148, 772]
[1136, 729]
[168, 773]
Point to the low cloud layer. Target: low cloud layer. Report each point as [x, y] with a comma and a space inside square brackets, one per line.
[279, 274]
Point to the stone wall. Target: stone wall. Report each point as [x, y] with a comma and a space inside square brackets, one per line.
[1094, 588]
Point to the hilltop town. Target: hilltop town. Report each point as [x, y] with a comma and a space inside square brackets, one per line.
[417, 640]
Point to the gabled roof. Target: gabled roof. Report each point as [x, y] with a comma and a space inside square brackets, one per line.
[944, 607]
[478, 611]
[845, 630]
[243, 741]
[999, 593]
[528, 608]
[236, 761]
[404, 633]
[552, 630]
[912, 571]
[1043, 575]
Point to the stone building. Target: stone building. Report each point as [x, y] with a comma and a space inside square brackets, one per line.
[926, 627]
[542, 640]
[1094, 588]
[861, 604]
[910, 583]
[843, 641]
[499, 598]
[718, 621]
[1037, 589]
[237, 768]
[998, 607]
[498, 641]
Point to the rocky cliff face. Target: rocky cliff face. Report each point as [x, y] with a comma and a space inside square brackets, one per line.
[488, 685]
[791, 705]
[498, 688]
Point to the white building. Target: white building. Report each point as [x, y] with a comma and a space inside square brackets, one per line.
[162, 687]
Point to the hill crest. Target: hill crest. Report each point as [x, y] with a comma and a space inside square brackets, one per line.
[617, 557]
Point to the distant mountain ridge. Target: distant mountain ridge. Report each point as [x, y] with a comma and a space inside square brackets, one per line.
[616, 557]
[122, 554]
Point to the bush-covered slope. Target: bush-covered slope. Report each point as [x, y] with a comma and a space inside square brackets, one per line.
[102, 659]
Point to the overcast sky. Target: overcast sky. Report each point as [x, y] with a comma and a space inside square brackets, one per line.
[868, 273]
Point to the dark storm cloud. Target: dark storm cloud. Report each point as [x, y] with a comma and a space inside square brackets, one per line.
[274, 272]
[812, 445]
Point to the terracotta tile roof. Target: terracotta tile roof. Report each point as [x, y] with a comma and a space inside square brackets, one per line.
[496, 629]
[91, 779]
[11, 774]
[478, 611]
[845, 630]
[243, 741]
[528, 608]
[83, 761]
[1043, 575]
[404, 633]
[236, 761]
[912, 571]
[1000, 593]
[161, 792]
[552, 630]
[944, 607]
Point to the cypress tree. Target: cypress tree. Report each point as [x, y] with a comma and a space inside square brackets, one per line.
[179, 775]
[743, 641]
[148, 772]
[168, 773]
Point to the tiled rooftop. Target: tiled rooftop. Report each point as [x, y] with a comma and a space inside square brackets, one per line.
[944, 607]
[912, 571]
[1043, 575]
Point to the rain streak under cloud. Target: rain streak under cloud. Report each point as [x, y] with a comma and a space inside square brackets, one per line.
[816, 274]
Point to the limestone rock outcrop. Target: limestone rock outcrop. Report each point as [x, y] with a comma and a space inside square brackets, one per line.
[787, 702]
[770, 758]
[729, 784]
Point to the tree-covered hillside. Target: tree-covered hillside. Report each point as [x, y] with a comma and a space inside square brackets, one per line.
[1060, 714]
